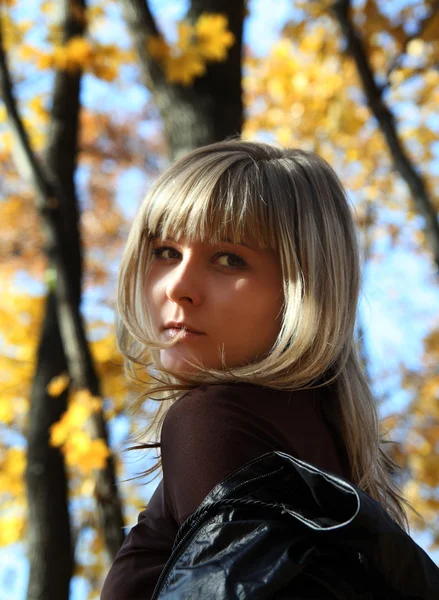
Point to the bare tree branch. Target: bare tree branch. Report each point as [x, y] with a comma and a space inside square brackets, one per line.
[422, 26]
[402, 163]
[28, 161]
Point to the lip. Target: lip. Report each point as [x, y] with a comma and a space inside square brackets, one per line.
[176, 326]
[173, 332]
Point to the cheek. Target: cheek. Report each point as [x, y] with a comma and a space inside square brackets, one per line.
[267, 312]
[153, 293]
[153, 282]
[257, 304]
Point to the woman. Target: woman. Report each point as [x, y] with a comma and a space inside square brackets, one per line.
[238, 293]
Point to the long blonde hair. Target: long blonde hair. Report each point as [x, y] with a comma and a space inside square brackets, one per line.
[293, 201]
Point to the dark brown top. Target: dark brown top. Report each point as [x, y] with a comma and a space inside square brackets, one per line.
[207, 434]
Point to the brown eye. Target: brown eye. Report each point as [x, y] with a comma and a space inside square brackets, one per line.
[159, 253]
[232, 260]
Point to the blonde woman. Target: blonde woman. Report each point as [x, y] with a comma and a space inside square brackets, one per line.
[237, 296]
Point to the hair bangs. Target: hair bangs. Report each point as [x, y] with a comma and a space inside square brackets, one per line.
[213, 205]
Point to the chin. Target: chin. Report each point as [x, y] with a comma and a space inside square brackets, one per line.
[177, 364]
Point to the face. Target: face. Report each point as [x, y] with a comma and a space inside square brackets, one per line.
[230, 293]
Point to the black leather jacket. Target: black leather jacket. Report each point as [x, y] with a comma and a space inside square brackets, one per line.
[281, 528]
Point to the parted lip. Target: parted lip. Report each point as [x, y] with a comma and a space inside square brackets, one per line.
[181, 325]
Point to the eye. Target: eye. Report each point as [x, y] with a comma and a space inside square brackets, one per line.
[158, 253]
[232, 260]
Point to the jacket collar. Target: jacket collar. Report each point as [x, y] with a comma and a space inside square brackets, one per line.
[337, 511]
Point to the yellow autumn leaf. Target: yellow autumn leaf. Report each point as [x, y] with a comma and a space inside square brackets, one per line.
[81, 405]
[276, 89]
[185, 34]
[77, 414]
[104, 72]
[157, 47]
[78, 442]
[416, 48]
[431, 344]
[37, 106]
[183, 69]
[213, 37]
[314, 40]
[59, 432]
[11, 529]
[25, 352]
[96, 457]
[425, 468]
[12, 469]
[48, 8]
[4, 483]
[27, 52]
[84, 453]
[97, 545]
[424, 448]
[208, 40]
[96, 403]
[282, 49]
[284, 136]
[352, 154]
[44, 61]
[103, 350]
[74, 417]
[88, 486]
[85, 398]
[6, 410]
[411, 490]
[300, 82]
[15, 462]
[77, 54]
[79, 51]
[95, 12]
[60, 58]
[57, 385]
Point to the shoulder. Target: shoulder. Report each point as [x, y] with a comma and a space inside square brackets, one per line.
[216, 393]
[215, 403]
[207, 434]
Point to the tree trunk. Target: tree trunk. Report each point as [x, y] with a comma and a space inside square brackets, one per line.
[50, 544]
[51, 552]
[212, 108]
[50, 548]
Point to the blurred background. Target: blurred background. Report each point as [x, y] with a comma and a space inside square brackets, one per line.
[97, 97]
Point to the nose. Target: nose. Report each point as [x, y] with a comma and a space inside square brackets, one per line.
[185, 283]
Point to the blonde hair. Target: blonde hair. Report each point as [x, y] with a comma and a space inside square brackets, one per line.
[290, 200]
